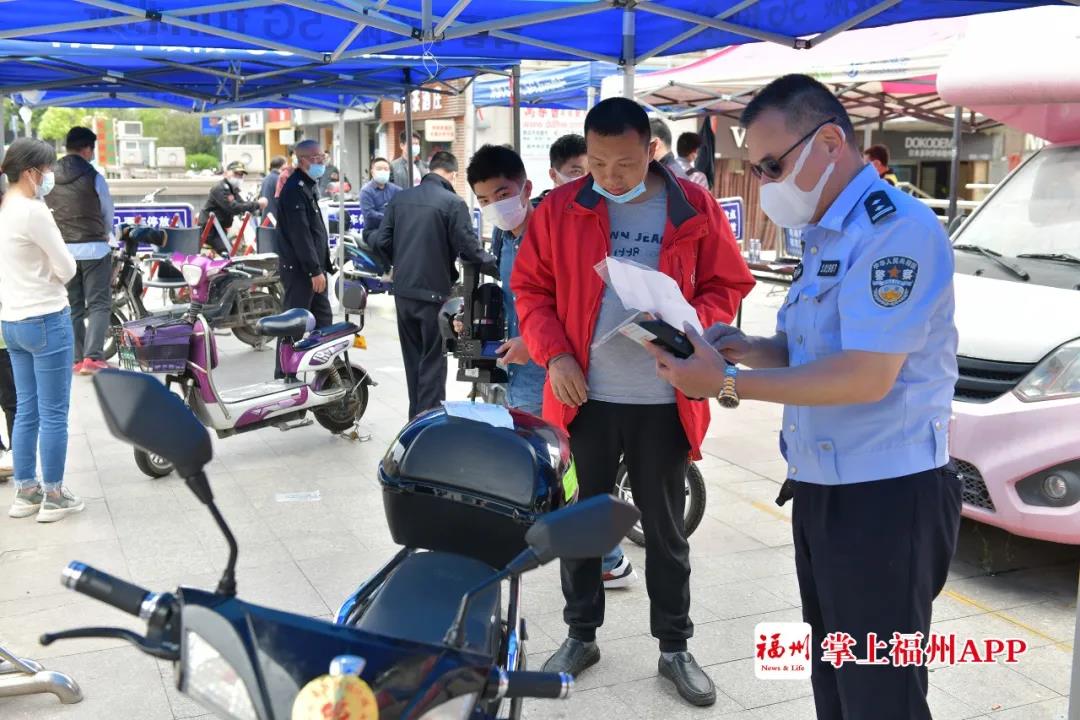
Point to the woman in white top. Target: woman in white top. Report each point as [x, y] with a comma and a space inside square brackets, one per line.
[36, 323]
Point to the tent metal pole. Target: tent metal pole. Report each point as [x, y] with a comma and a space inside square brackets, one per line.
[515, 90]
[954, 170]
[628, 52]
[590, 97]
[3, 118]
[342, 217]
[410, 161]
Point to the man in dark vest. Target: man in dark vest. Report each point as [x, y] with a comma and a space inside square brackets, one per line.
[83, 210]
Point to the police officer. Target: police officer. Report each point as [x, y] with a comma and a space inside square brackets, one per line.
[864, 361]
[303, 247]
[224, 202]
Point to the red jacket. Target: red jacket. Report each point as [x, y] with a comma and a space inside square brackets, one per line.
[557, 292]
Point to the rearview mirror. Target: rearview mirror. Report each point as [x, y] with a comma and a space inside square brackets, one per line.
[587, 529]
[954, 224]
[142, 412]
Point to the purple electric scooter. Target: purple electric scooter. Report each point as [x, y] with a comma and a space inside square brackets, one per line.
[319, 377]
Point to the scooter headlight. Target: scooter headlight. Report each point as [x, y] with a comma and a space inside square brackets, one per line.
[211, 681]
[457, 709]
[193, 274]
[1057, 376]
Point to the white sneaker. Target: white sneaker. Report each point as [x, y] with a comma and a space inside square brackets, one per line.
[54, 509]
[620, 576]
[7, 468]
[27, 502]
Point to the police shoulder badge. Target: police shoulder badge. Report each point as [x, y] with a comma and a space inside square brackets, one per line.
[878, 206]
[891, 280]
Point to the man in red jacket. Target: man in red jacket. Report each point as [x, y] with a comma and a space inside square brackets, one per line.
[609, 397]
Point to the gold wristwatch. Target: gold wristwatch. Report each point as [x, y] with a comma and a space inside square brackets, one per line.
[728, 397]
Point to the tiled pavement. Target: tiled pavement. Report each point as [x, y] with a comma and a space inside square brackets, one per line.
[307, 556]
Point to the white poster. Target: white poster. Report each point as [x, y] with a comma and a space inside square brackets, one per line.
[540, 127]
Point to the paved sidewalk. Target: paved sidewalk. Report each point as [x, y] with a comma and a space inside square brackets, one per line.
[307, 556]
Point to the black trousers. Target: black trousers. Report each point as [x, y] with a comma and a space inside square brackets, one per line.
[300, 294]
[422, 352]
[651, 440]
[7, 393]
[90, 297]
[871, 557]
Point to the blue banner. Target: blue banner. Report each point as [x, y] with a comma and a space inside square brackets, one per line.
[211, 125]
[565, 88]
[356, 216]
[154, 215]
[733, 209]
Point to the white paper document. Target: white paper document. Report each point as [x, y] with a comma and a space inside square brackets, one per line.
[651, 291]
[494, 415]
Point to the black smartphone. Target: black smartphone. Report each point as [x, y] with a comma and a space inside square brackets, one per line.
[660, 333]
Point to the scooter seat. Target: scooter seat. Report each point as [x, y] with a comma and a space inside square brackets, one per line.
[293, 323]
[419, 600]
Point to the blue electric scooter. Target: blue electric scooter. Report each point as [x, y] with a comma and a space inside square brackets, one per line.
[426, 636]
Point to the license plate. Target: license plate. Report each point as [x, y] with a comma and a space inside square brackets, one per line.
[360, 342]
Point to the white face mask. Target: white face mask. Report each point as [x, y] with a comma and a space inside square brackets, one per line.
[506, 214]
[786, 203]
[48, 182]
[416, 150]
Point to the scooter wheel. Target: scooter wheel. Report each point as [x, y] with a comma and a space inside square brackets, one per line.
[153, 465]
[695, 501]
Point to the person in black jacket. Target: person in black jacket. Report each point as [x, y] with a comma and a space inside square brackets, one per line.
[663, 155]
[269, 186]
[425, 229]
[224, 201]
[303, 246]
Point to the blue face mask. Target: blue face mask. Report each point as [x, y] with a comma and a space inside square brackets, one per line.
[316, 171]
[631, 194]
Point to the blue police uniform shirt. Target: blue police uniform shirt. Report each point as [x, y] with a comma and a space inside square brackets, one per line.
[526, 386]
[876, 276]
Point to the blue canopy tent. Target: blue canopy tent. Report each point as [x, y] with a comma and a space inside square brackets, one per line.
[623, 32]
[201, 80]
[567, 88]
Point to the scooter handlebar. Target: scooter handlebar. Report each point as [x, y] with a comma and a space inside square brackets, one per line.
[102, 586]
[523, 684]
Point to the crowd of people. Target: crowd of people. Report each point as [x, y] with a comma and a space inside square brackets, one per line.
[862, 359]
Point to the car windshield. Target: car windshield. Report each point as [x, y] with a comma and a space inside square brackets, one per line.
[1036, 211]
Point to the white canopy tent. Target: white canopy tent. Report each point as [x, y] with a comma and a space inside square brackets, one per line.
[879, 73]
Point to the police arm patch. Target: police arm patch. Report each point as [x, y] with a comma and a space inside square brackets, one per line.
[891, 280]
[878, 206]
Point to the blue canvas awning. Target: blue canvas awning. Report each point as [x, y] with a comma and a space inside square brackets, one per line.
[204, 79]
[617, 31]
[563, 88]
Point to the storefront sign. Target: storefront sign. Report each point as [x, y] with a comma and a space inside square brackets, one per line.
[439, 130]
[540, 127]
[930, 146]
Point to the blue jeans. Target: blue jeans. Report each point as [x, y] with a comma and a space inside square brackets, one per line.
[41, 356]
[612, 559]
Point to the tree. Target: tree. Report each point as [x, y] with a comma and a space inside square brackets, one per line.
[56, 121]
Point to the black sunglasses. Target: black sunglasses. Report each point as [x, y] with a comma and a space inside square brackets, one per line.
[772, 168]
